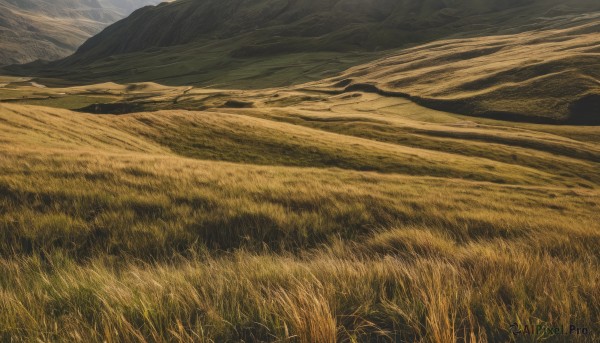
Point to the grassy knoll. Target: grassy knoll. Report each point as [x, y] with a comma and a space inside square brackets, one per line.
[300, 221]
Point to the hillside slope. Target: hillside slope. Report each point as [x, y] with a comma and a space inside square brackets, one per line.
[49, 30]
[550, 75]
[279, 42]
[351, 218]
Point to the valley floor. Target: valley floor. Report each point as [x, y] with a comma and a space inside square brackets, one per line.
[289, 215]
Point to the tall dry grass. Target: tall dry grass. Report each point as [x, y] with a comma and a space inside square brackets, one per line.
[106, 236]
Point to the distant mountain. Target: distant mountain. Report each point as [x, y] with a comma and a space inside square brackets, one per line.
[53, 29]
[281, 26]
[257, 43]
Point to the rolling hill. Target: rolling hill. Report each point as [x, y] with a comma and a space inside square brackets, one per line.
[307, 171]
[546, 75]
[305, 217]
[550, 75]
[49, 30]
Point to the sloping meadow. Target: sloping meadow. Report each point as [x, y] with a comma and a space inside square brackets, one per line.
[116, 229]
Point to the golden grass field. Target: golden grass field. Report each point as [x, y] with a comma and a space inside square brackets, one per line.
[308, 217]
[313, 213]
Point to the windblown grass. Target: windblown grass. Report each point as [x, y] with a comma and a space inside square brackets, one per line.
[117, 229]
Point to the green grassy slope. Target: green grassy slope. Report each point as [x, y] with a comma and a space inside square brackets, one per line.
[234, 43]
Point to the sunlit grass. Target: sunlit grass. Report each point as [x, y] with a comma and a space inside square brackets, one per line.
[116, 229]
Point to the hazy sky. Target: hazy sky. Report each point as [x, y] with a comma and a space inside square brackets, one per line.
[129, 5]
